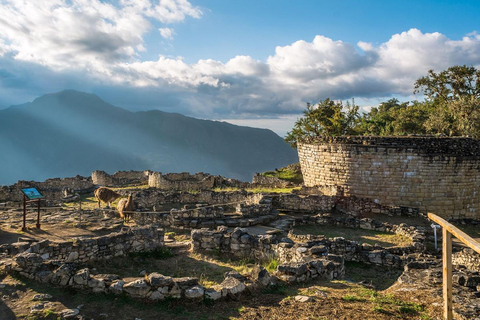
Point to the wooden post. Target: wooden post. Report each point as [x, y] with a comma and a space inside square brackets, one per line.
[38, 214]
[24, 228]
[448, 231]
[447, 275]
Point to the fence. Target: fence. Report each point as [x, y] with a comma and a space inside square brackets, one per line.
[447, 231]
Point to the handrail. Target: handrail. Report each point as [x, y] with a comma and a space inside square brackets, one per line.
[462, 236]
[448, 230]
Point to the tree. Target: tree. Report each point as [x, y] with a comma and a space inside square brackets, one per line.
[450, 85]
[455, 96]
[326, 118]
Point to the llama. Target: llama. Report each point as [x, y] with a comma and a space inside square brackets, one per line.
[106, 195]
[125, 208]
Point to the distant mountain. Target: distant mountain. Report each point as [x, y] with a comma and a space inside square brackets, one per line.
[70, 132]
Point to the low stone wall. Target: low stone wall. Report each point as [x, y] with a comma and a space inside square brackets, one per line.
[295, 202]
[87, 249]
[330, 266]
[240, 243]
[467, 258]
[254, 206]
[196, 212]
[120, 178]
[154, 198]
[52, 189]
[186, 182]
[359, 206]
[271, 182]
[415, 233]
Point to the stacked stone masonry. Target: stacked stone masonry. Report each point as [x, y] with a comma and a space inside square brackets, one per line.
[467, 258]
[240, 243]
[440, 175]
[120, 178]
[187, 182]
[51, 188]
[87, 249]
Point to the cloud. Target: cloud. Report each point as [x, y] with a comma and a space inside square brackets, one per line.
[92, 45]
[167, 33]
[83, 34]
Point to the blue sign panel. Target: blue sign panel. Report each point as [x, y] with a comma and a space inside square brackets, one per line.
[32, 193]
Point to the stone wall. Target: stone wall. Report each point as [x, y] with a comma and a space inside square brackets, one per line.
[415, 233]
[120, 178]
[294, 202]
[468, 258]
[440, 175]
[187, 182]
[52, 189]
[271, 182]
[240, 243]
[87, 249]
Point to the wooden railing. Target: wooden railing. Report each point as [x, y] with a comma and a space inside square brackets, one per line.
[447, 231]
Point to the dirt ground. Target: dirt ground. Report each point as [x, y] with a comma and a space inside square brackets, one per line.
[330, 300]
[375, 298]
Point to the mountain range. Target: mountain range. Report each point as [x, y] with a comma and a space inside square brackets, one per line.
[71, 132]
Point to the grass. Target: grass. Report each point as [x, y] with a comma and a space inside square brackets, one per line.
[139, 187]
[209, 269]
[384, 303]
[384, 239]
[285, 174]
[271, 265]
[258, 190]
[358, 272]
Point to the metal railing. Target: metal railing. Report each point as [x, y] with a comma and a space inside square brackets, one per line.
[448, 230]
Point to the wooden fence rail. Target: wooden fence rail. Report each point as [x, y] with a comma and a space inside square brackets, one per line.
[447, 231]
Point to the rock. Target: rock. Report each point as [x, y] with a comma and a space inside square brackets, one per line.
[81, 277]
[37, 307]
[72, 256]
[137, 288]
[293, 269]
[232, 286]
[318, 250]
[42, 296]
[303, 298]
[194, 292]
[213, 294]
[186, 282]
[69, 313]
[63, 274]
[156, 295]
[159, 280]
[117, 287]
[2, 285]
[260, 274]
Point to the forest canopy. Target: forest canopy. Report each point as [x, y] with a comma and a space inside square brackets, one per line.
[451, 108]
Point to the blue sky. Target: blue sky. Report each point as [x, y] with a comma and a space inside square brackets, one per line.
[249, 62]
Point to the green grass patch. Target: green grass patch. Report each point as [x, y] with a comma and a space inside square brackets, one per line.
[271, 265]
[352, 298]
[291, 173]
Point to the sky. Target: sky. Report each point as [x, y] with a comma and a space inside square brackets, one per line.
[254, 63]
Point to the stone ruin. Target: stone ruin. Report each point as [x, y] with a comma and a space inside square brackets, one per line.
[217, 220]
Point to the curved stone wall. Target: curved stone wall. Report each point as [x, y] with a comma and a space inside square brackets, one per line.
[439, 175]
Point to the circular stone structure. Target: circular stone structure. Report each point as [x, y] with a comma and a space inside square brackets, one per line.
[439, 175]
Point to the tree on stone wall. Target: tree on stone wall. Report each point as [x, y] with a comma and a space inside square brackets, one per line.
[451, 107]
[455, 96]
[325, 118]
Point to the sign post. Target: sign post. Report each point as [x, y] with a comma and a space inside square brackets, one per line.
[31, 195]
